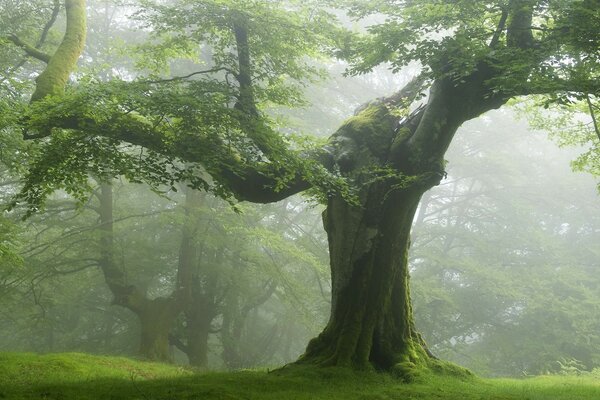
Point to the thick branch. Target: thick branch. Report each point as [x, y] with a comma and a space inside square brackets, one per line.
[29, 49]
[54, 78]
[254, 183]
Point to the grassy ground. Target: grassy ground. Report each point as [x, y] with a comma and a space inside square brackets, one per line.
[79, 376]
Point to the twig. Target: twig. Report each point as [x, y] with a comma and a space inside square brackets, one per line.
[180, 78]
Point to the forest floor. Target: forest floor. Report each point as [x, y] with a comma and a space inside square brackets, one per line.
[74, 376]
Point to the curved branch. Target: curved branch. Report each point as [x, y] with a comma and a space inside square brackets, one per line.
[29, 49]
[54, 78]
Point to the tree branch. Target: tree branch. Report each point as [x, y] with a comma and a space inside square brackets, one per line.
[54, 78]
[181, 78]
[593, 115]
[41, 40]
[499, 29]
[29, 49]
[49, 24]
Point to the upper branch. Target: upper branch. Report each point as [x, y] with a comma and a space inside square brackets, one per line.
[54, 78]
[29, 49]
[500, 28]
[49, 24]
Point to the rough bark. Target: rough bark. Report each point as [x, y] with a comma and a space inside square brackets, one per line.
[371, 323]
[392, 163]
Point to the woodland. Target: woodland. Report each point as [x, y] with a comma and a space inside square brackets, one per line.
[402, 193]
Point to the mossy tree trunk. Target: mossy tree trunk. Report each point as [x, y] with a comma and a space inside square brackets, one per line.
[392, 163]
[157, 317]
[53, 79]
[371, 318]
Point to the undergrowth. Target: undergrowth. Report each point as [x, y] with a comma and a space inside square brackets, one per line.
[74, 376]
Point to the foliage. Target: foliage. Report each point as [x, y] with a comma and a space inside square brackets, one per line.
[556, 51]
[502, 251]
[574, 124]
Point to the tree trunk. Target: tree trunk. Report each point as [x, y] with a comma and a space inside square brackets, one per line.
[199, 328]
[392, 163]
[156, 320]
[156, 315]
[371, 319]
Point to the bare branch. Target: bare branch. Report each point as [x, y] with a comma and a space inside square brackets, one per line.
[181, 78]
[49, 24]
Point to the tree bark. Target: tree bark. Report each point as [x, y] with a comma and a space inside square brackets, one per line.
[156, 320]
[371, 319]
[371, 323]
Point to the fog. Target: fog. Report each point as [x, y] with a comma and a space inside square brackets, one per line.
[503, 257]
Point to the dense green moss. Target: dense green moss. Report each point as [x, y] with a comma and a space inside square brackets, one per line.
[53, 79]
[79, 376]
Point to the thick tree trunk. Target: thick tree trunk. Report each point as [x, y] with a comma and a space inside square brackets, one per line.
[371, 319]
[393, 163]
[197, 346]
[156, 320]
[156, 315]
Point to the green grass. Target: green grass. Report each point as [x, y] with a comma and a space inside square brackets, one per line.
[74, 376]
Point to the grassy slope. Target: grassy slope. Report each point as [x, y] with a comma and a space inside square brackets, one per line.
[81, 376]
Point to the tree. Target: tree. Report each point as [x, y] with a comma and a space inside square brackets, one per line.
[503, 247]
[476, 55]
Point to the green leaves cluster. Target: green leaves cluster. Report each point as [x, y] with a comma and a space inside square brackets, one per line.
[283, 37]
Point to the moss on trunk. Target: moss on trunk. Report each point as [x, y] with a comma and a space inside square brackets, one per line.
[392, 161]
[156, 320]
[53, 79]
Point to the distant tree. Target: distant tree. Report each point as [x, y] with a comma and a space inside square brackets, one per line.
[503, 247]
[476, 55]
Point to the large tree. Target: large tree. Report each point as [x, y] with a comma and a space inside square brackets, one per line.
[475, 56]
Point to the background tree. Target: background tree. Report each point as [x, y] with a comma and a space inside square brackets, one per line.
[469, 51]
